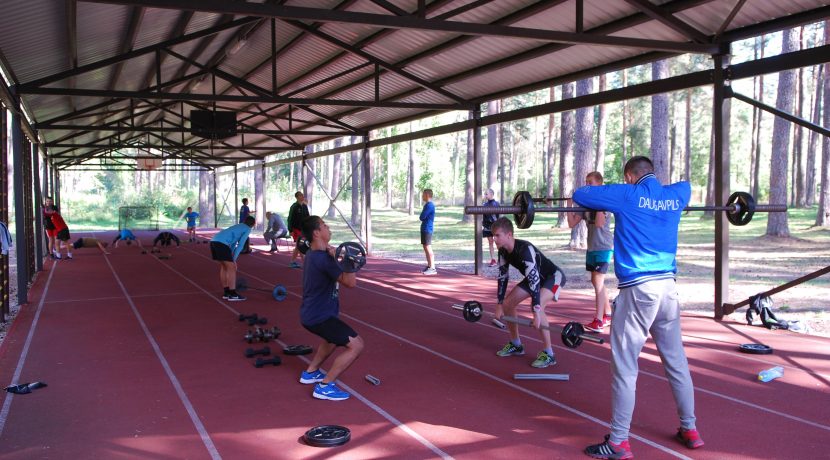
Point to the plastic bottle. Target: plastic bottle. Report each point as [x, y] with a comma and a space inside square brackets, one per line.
[772, 373]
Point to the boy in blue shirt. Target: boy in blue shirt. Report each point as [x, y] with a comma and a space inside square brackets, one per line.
[647, 216]
[225, 248]
[320, 312]
[244, 213]
[190, 217]
[128, 236]
[427, 220]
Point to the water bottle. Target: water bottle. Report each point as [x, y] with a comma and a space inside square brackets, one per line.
[772, 373]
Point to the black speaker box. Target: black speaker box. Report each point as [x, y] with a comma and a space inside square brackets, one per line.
[212, 124]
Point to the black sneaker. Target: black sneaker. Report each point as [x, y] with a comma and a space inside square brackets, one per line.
[235, 297]
[609, 450]
[226, 295]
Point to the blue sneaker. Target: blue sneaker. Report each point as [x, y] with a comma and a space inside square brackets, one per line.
[294, 264]
[312, 377]
[330, 392]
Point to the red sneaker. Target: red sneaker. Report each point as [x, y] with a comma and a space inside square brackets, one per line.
[689, 438]
[595, 326]
[606, 319]
[492, 262]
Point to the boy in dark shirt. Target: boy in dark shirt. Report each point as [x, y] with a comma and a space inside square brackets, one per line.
[542, 283]
[320, 311]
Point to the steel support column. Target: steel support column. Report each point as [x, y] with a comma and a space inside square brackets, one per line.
[19, 210]
[38, 216]
[5, 287]
[720, 125]
[235, 194]
[215, 203]
[367, 194]
[477, 234]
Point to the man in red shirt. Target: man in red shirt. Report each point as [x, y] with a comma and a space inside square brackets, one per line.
[61, 235]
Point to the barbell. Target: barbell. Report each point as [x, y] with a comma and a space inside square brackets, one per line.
[350, 256]
[279, 292]
[739, 209]
[572, 333]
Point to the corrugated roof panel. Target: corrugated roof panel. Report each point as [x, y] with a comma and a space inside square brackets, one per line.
[301, 64]
[101, 30]
[156, 26]
[710, 16]
[34, 37]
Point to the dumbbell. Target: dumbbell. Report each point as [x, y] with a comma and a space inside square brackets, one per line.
[262, 335]
[252, 319]
[264, 351]
[260, 362]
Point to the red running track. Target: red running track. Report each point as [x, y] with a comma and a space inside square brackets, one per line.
[144, 360]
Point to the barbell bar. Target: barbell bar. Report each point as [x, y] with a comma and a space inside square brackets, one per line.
[572, 333]
[739, 209]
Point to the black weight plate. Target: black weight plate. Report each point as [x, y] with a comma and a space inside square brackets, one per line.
[327, 436]
[279, 293]
[572, 334]
[755, 349]
[472, 311]
[350, 256]
[293, 350]
[524, 200]
[746, 203]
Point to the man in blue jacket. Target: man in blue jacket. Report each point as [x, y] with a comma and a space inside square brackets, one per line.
[427, 226]
[647, 216]
[225, 248]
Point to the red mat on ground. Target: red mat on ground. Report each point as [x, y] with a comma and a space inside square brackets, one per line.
[143, 359]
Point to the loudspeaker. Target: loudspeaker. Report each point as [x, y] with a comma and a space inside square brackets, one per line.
[212, 124]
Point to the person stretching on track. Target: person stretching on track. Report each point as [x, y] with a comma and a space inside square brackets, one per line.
[320, 312]
[542, 283]
[225, 248]
[166, 239]
[128, 236]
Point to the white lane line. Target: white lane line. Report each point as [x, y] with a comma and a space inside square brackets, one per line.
[135, 296]
[200, 428]
[406, 429]
[656, 376]
[4, 412]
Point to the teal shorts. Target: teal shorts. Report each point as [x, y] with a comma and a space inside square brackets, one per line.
[598, 261]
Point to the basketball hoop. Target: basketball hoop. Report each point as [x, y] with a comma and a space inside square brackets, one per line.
[149, 164]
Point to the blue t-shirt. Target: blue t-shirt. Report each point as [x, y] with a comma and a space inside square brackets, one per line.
[126, 234]
[244, 212]
[320, 288]
[234, 237]
[191, 218]
[647, 215]
[427, 217]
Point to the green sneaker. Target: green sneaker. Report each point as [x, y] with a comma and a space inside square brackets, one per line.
[511, 350]
[543, 359]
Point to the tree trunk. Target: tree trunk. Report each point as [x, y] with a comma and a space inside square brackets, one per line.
[583, 155]
[355, 163]
[309, 184]
[602, 126]
[566, 153]
[812, 145]
[469, 192]
[777, 222]
[687, 150]
[493, 107]
[335, 177]
[205, 199]
[411, 178]
[823, 214]
[660, 124]
[624, 133]
[798, 151]
[259, 193]
[551, 177]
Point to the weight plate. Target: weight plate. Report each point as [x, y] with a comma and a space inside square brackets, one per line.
[350, 256]
[293, 350]
[279, 293]
[745, 208]
[525, 201]
[755, 349]
[327, 436]
[572, 334]
[472, 311]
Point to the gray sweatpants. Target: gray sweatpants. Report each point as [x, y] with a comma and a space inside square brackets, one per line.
[651, 307]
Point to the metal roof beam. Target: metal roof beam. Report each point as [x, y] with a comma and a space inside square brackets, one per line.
[173, 129]
[413, 22]
[234, 98]
[660, 15]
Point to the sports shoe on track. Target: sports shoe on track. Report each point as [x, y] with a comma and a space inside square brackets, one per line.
[606, 319]
[294, 264]
[430, 271]
[69, 256]
[511, 350]
[689, 438]
[609, 450]
[330, 392]
[596, 325]
[543, 359]
[308, 378]
[234, 296]
[492, 262]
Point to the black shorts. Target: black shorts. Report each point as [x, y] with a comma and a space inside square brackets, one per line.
[63, 235]
[548, 283]
[333, 330]
[221, 252]
[426, 238]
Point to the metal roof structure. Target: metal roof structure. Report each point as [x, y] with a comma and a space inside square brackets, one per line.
[102, 79]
